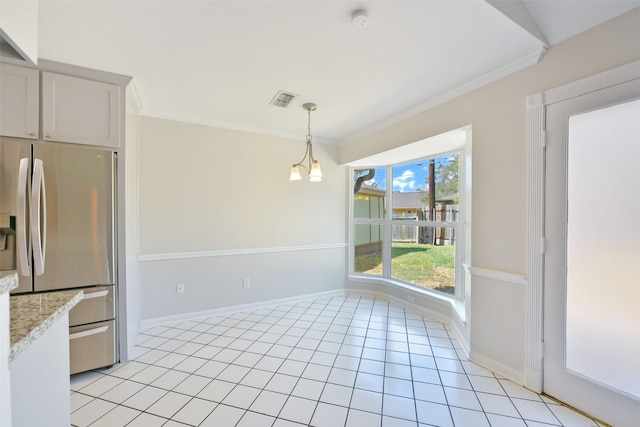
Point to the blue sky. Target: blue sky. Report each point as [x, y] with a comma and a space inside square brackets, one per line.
[406, 178]
[409, 177]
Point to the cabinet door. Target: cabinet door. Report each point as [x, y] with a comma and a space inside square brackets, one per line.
[80, 111]
[19, 102]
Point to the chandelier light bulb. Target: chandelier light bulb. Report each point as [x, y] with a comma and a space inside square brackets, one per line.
[295, 174]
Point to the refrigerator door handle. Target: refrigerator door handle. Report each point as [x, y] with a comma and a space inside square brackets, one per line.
[38, 217]
[21, 226]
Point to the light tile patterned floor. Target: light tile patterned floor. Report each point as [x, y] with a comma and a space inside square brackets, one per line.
[345, 361]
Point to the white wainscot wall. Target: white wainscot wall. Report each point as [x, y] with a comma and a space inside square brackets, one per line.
[498, 313]
[214, 281]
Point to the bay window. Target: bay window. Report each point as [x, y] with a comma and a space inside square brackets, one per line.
[406, 223]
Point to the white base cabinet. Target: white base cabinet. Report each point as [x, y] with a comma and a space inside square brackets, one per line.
[5, 378]
[40, 380]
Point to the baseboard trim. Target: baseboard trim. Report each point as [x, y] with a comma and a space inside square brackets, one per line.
[195, 315]
[533, 379]
[508, 372]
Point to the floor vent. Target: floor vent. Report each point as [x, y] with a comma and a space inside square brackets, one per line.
[283, 99]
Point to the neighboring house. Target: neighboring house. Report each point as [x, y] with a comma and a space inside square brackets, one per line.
[368, 202]
[451, 199]
[408, 204]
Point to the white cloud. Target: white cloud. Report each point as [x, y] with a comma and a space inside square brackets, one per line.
[406, 175]
[406, 180]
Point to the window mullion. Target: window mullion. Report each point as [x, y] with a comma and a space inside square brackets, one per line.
[387, 229]
[446, 224]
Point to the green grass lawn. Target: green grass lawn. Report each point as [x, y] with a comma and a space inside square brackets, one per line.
[427, 266]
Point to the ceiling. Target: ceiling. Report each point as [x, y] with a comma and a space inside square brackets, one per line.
[221, 62]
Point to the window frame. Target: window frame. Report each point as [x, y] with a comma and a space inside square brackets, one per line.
[388, 222]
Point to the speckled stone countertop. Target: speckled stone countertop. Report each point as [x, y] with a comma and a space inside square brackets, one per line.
[8, 281]
[33, 314]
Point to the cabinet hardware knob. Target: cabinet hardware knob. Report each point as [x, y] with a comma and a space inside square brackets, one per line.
[30, 133]
[46, 135]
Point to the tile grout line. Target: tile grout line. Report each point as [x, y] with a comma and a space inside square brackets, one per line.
[288, 315]
[332, 365]
[290, 393]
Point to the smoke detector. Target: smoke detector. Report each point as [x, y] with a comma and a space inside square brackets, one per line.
[359, 19]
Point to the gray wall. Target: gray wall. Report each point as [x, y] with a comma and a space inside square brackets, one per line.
[217, 206]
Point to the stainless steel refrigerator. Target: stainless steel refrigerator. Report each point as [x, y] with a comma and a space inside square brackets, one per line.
[57, 231]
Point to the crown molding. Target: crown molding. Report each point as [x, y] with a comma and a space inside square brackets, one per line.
[504, 71]
[134, 103]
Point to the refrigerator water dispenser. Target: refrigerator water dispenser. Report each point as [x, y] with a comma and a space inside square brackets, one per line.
[7, 242]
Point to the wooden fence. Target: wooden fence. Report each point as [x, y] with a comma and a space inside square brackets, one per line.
[427, 235]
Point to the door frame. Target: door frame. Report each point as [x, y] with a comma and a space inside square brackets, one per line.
[536, 141]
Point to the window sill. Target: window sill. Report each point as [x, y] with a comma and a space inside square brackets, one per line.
[457, 306]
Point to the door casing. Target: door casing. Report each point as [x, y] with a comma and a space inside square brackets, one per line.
[537, 140]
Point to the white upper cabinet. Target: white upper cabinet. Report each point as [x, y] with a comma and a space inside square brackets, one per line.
[80, 111]
[19, 101]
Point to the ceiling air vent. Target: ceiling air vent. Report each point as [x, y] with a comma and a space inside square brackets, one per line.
[283, 99]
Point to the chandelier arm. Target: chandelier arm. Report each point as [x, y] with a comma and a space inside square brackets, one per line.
[302, 160]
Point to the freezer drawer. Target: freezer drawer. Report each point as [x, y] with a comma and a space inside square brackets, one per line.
[98, 304]
[92, 346]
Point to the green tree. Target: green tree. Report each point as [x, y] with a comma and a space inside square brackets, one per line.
[361, 176]
[446, 178]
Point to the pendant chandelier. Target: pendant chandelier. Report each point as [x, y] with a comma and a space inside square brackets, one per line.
[312, 167]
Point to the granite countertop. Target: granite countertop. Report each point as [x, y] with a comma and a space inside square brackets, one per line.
[33, 314]
[8, 281]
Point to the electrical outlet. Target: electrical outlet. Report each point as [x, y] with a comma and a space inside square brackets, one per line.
[179, 288]
[411, 299]
[246, 283]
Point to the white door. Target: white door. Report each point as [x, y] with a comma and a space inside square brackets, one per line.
[592, 231]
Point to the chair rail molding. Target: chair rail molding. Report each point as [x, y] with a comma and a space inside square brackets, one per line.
[236, 252]
[502, 276]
